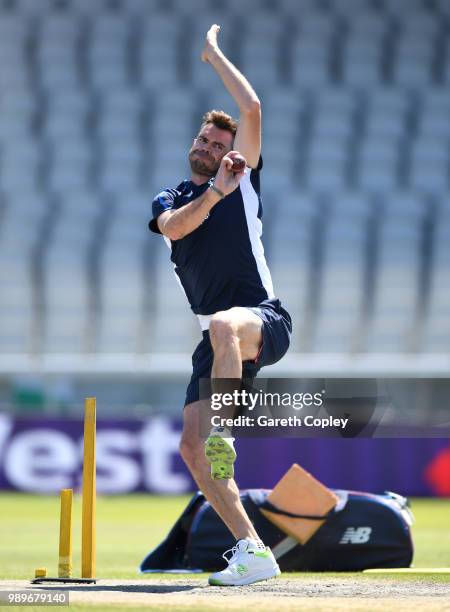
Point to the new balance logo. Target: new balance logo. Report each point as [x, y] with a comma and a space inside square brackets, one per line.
[356, 535]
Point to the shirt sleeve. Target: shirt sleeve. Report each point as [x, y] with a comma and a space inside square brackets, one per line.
[162, 202]
[253, 176]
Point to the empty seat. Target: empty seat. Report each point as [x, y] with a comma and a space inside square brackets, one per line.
[120, 325]
[405, 9]
[89, 7]
[402, 207]
[349, 206]
[420, 24]
[59, 27]
[122, 101]
[342, 284]
[436, 337]
[260, 63]
[362, 70]
[435, 99]
[109, 74]
[317, 25]
[18, 102]
[17, 322]
[290, 258]
[69, 174]
[28, 8]
[310, 64]
[336, 100]
[80, 202]
[140, 8]
[66, 300]
[414, 63]
[119, 175]
[389, 100]
[378, 177]
[16, 332]
[326, 178]
[69, 101]
[25, 206]
[118, 126]
[367, 25]
[430, 177]
[379, 150]
[15, 125]
[64, 125]
[267, 27]
[328, 151]
[428, 150]
[62, 73]
[396, 300]
[174, 328]
[436, 123]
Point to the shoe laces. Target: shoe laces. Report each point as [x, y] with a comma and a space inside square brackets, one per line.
[237, 549]
[221, 432]
[234, 554]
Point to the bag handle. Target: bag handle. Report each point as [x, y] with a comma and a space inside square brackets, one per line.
[267, 505]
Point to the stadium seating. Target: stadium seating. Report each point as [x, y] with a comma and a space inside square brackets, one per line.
[100, 101]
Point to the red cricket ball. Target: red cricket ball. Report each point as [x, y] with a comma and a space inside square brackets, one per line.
[239, 163]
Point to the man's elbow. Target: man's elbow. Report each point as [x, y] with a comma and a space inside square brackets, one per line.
[253, 107]
[169, 229]
[173, 234]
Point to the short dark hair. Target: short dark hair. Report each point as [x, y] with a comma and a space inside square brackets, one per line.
[221, 120]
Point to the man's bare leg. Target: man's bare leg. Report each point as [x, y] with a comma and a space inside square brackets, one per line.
[223, 495]
[235, 336]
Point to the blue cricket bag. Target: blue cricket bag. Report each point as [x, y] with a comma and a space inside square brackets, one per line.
[363, 531]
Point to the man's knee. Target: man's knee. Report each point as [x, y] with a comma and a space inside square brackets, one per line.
[222, 330]
[191, 449]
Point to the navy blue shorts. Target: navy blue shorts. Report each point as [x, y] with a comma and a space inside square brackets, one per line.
[276, 332]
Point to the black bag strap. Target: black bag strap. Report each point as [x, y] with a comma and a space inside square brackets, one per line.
[267, 505]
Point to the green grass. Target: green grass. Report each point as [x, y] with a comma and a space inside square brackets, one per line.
[129, 526]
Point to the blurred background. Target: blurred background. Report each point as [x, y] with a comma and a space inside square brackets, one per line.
[99, 103]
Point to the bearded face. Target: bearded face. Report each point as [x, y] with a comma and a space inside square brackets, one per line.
[203, 163]
[207, 150]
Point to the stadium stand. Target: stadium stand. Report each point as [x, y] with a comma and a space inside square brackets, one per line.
[99, 101]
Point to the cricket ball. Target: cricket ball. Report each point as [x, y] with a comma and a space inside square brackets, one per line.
[239, 163]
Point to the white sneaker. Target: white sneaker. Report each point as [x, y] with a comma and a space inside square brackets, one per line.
[219, 451]
[250, 562]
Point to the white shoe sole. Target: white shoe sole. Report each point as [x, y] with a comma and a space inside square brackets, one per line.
[265, 575]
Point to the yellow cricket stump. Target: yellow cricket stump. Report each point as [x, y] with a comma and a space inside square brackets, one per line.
[88, 514]
[409, 570]
[65, 534]
[88, 543]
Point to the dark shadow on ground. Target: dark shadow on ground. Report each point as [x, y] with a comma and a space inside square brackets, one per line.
[125, 588]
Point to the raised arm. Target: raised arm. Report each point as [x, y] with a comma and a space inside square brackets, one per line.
[248, 137]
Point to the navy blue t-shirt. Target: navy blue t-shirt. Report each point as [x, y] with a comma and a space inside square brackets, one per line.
[221, 263]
